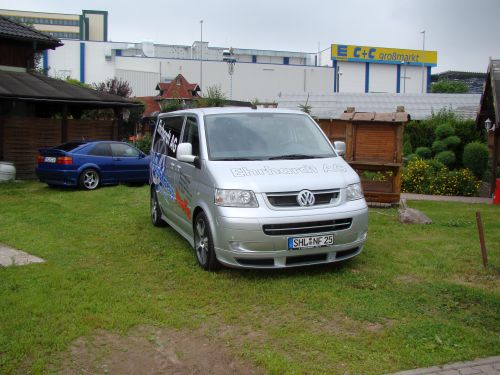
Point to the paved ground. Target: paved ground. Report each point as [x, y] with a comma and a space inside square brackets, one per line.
[10, 257]
[442, 198]
[485, 366]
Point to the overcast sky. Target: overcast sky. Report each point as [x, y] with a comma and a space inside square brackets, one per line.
[464, 32]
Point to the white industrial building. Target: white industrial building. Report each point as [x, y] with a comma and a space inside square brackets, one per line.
[258, 74]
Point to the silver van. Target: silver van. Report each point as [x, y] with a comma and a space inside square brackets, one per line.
[255, 188]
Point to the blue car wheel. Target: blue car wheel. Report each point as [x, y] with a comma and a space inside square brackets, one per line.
[89, 179]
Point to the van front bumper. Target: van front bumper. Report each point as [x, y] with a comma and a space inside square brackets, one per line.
[242, 242]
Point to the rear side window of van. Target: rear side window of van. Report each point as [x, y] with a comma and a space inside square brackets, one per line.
[168, 133]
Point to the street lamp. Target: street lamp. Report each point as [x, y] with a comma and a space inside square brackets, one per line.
[338, 78]
[404, 77]
[489, 126]
[229, 58]
[201, 54]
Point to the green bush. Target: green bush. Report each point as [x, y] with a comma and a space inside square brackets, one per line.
[417, 177]
[144, 144]
[407, 149]
[475, 158]
[436, 165]
[420, 133]
[171, 105]
[423, 152]
[449, 86]
[431, 177]
[452, 141]
[467, 131]
[438, 146]
[410, 157]
[444, 130]
[447, 158]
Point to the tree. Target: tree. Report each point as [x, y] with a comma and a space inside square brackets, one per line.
[213, 98]
[114, 86]
[449, 86]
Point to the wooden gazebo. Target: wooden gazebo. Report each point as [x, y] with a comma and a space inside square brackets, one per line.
[374, 148]
[37, 111]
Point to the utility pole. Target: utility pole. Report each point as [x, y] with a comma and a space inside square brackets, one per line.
[423, 59]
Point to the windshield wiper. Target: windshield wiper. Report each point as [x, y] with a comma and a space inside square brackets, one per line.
[296, 156]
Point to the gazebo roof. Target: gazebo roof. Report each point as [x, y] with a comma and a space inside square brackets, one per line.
[34, 87]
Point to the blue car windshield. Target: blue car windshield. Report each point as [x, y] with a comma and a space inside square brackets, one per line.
[265, 136]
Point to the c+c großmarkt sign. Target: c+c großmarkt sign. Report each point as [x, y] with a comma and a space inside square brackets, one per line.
[344, 52]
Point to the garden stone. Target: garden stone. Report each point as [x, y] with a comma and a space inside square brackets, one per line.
[412, 216]
[13, 257]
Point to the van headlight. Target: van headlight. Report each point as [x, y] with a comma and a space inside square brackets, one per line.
[235, 198]
[354, 191]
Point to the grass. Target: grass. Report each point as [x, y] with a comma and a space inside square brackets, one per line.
[417, 296]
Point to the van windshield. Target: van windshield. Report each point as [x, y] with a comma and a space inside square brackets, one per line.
[265, 136]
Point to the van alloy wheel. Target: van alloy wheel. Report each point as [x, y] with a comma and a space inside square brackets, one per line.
[203, 244]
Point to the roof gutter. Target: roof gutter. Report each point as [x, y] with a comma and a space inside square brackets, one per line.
[69, 101]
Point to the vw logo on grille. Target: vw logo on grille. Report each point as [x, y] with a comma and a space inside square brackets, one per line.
[305, 198]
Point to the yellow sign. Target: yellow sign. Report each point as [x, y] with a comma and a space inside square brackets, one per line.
[344, 52]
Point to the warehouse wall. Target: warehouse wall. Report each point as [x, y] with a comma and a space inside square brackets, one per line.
[264, 80]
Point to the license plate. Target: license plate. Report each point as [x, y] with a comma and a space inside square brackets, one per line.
[295, 243]
[49, 159]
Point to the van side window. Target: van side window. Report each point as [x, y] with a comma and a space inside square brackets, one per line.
[168, 133]
[191, 135]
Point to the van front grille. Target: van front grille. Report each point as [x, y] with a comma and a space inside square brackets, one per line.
[306, 228]
[289, 199]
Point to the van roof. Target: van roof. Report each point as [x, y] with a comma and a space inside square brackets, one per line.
[222, 110]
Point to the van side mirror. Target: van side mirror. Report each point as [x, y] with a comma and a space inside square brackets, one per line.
[339, 147]
[185, 154]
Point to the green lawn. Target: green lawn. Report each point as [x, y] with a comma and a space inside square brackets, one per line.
[417, 296]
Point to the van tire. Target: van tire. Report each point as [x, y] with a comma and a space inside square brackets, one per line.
[204, 244]
[155, 210]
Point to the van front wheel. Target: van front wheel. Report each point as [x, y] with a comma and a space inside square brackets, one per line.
[204, 244]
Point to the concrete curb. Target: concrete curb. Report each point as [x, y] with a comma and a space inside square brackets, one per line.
[484, 366]
[444, 198]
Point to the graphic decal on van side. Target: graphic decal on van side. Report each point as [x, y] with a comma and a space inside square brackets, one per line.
[167, 136]
[183, 204]
[184, 184]
[158, 172]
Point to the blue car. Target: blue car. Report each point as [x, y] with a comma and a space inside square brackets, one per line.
[91, 164]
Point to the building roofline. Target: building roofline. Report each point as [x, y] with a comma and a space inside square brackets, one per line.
[30, 11]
